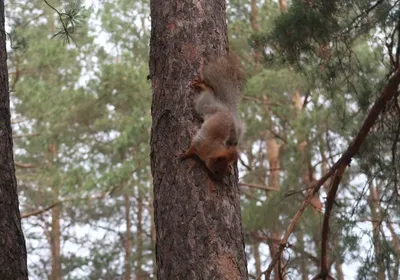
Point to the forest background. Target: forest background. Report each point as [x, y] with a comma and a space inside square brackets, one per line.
[81, 127]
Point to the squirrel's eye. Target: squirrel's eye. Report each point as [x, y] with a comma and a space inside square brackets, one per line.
[219, 159]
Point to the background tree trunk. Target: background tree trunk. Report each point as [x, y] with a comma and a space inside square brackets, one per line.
[128, 239]
[55, 240]
[139, 273]
[198, 220]
[12, 243]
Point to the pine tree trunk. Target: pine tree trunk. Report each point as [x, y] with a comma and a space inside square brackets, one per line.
[282, 5]
[139, 239]
[153, 238]
[198, 220]
[396, 245]
[257, 258]
[13, 262]
[339, 270]
[304, 271]
[55, 241]
[128, 241]
[375, 218]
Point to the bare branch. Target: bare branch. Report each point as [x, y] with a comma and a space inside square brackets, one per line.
[16, 121]
[25, 135]
[89, 198]
[388, 92]
[256, 186]
[23, 165]
[41, 211]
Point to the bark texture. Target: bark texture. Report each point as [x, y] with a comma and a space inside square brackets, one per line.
[12, 243]
[198, 220]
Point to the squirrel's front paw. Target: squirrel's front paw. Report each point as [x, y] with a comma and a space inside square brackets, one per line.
[180, 154]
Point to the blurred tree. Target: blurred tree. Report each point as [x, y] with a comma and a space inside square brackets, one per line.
[12, 242]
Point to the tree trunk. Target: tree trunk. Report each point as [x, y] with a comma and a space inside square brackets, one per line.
[375, 218]
[304, 269]
[153, 237]
[128, 240]
[396, 244]
[283, 5]
[257, 258]
[55, 234]
[13, 262]
[139, 239]
[55, 242]
[198, 220]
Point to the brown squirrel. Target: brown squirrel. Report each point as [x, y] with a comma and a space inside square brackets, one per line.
[216, 143]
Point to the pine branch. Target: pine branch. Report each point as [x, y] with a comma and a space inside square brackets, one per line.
[70, 19]
[389, 91]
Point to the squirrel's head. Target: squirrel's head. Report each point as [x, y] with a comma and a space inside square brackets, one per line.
[219, 163]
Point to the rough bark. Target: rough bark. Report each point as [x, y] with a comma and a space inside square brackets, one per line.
[198, 219]
[128, 240]
[13, 262]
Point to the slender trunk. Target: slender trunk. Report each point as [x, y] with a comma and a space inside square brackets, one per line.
[257, 258]
[55, 234]
[282, 5]
[55, 243]
[139, 239]
[273, 181]
[396, 271]
[153, 238]
[198, 219]
[256, 27]
[303, 263]
[396, 245]
[13, 263]
[254, 16]
[339, 269]
[273, 160]
[375, 218]
[128, 239]
[338, 259]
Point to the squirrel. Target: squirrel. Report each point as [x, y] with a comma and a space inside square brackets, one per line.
[216, 143]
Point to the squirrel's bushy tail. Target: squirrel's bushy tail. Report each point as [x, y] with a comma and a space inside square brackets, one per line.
[227, 77]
